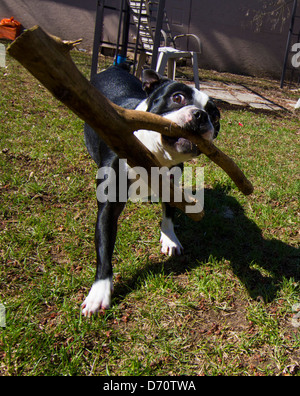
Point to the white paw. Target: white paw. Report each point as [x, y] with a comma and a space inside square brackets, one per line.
[170, 244]
[98, 298]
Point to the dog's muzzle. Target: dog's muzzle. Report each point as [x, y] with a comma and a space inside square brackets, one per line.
[193, 119]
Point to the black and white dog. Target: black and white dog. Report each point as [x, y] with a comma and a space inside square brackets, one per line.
[176, 101]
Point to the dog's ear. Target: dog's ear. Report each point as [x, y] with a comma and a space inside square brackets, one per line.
[214, 116]
[151, 80]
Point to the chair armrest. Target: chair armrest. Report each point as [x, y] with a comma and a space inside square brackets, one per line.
[189, 35]
[165, 38]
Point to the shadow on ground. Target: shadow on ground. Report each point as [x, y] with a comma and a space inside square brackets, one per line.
[226, 233]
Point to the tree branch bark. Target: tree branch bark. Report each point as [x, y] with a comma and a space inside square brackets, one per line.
[47, 58]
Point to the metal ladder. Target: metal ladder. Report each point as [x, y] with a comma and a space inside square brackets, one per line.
[121, 44]
[293, 38]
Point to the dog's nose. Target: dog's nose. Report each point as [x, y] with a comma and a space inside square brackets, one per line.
[200, 116]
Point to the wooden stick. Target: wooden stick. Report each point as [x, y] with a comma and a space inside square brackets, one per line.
[47, 58]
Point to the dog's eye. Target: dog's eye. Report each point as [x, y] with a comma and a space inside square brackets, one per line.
[178, 98]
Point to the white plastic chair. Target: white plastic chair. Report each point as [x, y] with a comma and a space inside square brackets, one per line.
[168, 54]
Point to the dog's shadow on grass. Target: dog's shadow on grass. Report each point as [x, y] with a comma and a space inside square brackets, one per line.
[226, 233]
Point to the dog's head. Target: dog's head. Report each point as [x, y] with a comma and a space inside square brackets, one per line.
[184, 105]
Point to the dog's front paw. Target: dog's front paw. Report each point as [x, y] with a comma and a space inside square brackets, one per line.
[170, 244]
[98, 298]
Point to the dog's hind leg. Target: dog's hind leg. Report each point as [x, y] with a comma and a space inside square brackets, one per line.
[170, 244]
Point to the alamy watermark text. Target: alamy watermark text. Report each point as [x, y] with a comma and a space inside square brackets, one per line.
[132, 183]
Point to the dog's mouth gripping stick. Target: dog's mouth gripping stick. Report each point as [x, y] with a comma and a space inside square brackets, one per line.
[47, 58]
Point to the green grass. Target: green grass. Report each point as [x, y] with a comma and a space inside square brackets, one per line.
[224, 308]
